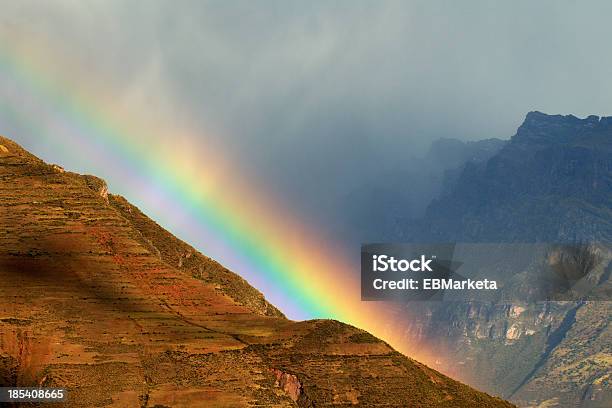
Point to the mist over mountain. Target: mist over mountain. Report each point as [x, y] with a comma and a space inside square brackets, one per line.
[330, 108]
[315, 100]
[379, 208]
[551, 183]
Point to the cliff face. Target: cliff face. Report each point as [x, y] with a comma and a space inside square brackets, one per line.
[97, 298]
[551, 183]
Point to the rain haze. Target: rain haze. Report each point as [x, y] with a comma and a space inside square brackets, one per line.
[320, 101]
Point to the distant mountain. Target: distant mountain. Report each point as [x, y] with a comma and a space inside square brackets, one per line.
[552, 182]
[449, 153]
[97, 298]
[378, 208]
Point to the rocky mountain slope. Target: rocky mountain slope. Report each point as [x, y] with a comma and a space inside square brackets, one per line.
[551, 183]
[97, 298]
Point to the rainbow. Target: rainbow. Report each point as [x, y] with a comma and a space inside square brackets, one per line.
[245, 227]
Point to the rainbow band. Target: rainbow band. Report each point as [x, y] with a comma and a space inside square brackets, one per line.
[294, 267]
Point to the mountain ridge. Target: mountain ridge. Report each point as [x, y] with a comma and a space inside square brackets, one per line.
[97, 298]
[550, 183]
[554, 168]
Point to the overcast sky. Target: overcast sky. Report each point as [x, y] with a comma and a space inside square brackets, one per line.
[318, 97]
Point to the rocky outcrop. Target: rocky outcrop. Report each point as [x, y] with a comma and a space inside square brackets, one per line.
[289, 383]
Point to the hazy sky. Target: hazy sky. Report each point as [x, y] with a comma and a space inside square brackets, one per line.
[318, 98]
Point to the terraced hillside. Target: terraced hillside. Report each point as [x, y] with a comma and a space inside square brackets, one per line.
[97, 298]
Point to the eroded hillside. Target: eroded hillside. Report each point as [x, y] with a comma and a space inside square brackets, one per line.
[97, 298]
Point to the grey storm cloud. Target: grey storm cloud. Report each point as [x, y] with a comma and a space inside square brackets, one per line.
[321, 97]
